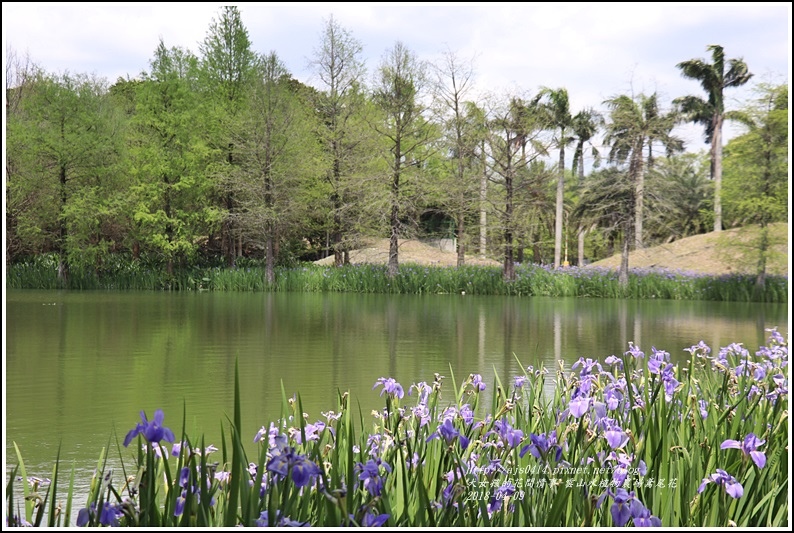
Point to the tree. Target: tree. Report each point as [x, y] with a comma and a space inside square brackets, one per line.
[585, 125]
[560, 119]
[398, 95]
[711, 112]
[338, 64]
[682, 195]
[63, 142]
[453, 82]
[756, 170]
[275, 152]
[607, 201]
[169, 160]
[21, 192]
[635, 123]
[228, 67]
[514, 141]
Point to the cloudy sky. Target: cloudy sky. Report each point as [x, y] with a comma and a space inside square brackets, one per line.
[594, 50]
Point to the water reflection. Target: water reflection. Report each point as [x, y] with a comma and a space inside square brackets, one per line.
[84, 367]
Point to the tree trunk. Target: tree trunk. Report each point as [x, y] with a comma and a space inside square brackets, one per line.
[509, 269]
[483, 212]
[63, 262]
[558, 215]
[716, 159]
[270, 260]
[336, 200]
[394, 219]
[763, 246]
[623, 274]
[581, 232]
[461, 237]
[639, 192]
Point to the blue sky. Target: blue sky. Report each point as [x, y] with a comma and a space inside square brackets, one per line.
[594, 50]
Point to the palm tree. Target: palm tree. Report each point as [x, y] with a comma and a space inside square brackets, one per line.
[608, 202]
[559, 116]
[682, 195]
[711, 113]
[585, 125]
[634, 124]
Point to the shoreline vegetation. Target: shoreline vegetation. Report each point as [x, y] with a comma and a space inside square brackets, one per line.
[629, 440]
[41, 272]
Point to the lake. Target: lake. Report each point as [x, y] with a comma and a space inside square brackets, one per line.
[81, 365]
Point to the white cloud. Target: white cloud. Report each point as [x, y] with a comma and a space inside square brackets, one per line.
[593, 50]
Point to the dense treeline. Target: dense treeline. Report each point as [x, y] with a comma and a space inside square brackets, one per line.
[206, 159]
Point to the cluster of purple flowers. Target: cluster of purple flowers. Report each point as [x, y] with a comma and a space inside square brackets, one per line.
[595, 414]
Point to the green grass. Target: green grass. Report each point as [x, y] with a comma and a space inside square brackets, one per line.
[531, 280]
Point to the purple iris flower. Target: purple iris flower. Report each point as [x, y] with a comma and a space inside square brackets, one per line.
[179, 508]
[153, 431]
[703, 405]
[467, 414]
[616, 438]
[85, 514]
[110, 515]
[781, 388]
[371, 520]
[519, 382]
[614, 361]
[657, 360]
[634, 351]
[390, 386]
[422, 413]
[587, 366]
[732, 349]
[176, 449]
[669, 381]
[477, 381]
[748, 447]
[613, 398]
[505, 490]
[510, 436]
[721, 477]
[621, 508]
[540, 445]
[700, 346]
[642, 516]
[281, 521]
[184, 476]
[370, 475]
[284, 459]
[303, 471]
[579, 406]
[448, 432]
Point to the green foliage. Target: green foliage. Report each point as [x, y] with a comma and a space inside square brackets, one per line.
[680, 198]
[170, 196]
[531, 280]
[64, 149]
[756, 163]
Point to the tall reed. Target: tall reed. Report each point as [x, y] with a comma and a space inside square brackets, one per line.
[531, 280]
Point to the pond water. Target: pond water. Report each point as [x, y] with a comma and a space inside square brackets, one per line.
[80, 366]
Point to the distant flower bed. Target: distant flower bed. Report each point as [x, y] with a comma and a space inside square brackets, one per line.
[630, 440]
[531, 280]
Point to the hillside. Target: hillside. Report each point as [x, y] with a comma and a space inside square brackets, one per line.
[710, 253]
[410, 251]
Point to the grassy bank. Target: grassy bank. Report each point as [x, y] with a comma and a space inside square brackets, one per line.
[630, 440]
[531, 280]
